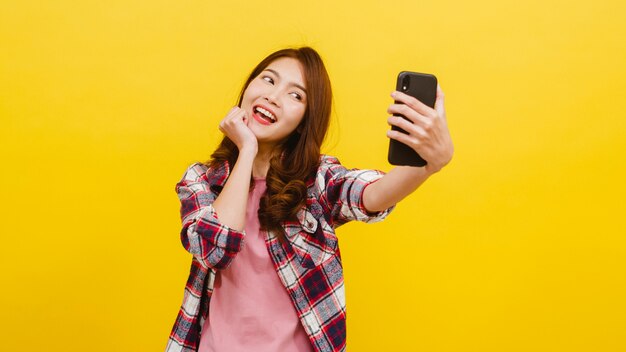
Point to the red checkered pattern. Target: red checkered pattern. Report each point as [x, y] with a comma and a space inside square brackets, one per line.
[308, 263]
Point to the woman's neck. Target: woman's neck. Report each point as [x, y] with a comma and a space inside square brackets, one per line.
[262, 161]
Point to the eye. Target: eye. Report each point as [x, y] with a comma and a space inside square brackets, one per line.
[268, 79]
[296, 95]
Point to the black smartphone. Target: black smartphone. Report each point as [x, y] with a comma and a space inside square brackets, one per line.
[423, 87]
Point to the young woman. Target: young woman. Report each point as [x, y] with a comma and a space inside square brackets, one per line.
[260, 216]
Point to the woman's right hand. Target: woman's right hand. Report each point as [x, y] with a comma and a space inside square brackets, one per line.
[235, 127]
[234, 196]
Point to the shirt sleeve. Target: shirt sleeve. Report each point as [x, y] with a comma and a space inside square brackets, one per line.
[341, 192]
[203, 235]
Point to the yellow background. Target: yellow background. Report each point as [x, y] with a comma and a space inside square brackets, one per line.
[518, 245]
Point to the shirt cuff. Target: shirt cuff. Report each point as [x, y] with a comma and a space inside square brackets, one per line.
[356, 207]
[224, 237]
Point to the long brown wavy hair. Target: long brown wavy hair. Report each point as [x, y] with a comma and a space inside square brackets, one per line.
[297, 157]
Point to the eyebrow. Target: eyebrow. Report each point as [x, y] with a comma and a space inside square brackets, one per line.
[278, 75]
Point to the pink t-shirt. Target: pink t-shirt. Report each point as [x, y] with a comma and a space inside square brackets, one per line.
[250, 309]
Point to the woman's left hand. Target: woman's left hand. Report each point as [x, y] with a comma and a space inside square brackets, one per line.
[427, 131]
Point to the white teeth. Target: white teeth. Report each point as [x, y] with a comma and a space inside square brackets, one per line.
[268, 114]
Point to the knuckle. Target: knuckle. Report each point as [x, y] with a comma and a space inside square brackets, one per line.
[428, 125]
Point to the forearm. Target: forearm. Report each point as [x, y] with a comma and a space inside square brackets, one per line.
[231, 204]
[393, 187]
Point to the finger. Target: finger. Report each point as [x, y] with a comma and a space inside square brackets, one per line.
[413, 103]
[246, 120]
[410, 128]
[228, 117]
[406, 111]
[439, 102]
[235, 117]
[233, 111]
[403, 138]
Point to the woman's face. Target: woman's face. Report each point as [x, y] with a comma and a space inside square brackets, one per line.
[275, 100]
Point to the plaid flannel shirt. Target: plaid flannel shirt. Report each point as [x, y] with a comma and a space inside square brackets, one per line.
[308, 263]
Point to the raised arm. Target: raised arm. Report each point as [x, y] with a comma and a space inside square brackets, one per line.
[213, 224]
[231, 204]
[427, 134]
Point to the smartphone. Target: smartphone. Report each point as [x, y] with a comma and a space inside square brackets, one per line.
[423, 87]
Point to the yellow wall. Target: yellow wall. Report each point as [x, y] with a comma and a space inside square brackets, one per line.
[518, 245]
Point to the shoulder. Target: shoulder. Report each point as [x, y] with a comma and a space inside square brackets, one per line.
[328, 163]
[328, 159]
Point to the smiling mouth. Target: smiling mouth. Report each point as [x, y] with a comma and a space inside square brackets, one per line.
[264, 114]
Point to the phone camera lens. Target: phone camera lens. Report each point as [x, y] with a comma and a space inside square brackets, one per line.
[405, 83]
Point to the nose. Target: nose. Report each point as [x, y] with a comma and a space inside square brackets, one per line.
[271, 97]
